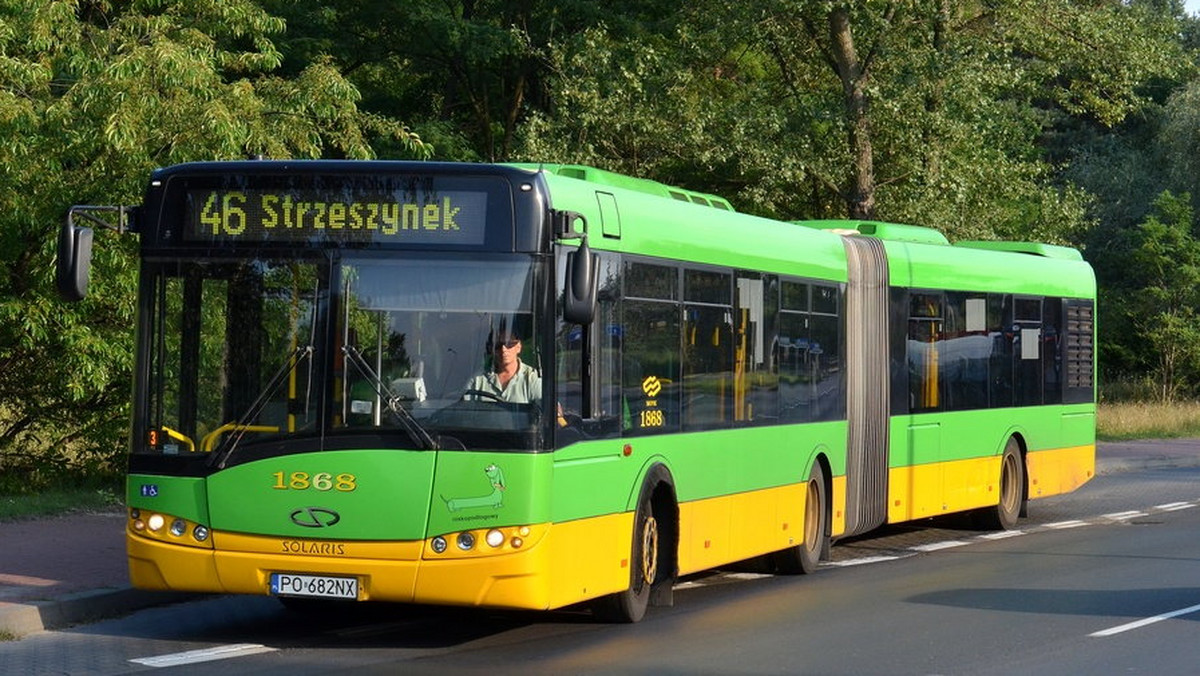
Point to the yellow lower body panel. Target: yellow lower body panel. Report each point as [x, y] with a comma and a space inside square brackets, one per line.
[555, 566]
[1061, 470]
[590, 558]
[922, 491]
[837, 502]
[720, 530]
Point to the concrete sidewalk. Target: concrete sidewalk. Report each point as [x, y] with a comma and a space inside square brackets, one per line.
[64, 570]
[60, 571]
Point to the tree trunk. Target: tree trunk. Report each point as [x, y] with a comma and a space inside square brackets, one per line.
[860, 196]
[934, 100]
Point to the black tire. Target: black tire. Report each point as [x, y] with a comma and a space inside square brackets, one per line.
[629, 606]
[1012, 491]
[804, 557]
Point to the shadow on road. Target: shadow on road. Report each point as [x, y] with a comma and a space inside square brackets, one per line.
[1131, 603]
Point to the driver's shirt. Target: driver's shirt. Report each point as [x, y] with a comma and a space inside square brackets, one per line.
[524, 388]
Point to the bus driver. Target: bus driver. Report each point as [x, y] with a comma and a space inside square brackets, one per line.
[510, 379]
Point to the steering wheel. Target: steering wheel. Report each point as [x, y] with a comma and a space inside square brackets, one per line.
[485, 395]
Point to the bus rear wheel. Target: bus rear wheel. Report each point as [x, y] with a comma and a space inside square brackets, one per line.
[1012, 491]
[630, 605]
[804, 557]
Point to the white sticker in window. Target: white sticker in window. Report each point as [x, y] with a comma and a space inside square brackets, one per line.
[976, 314]
[1030, 339]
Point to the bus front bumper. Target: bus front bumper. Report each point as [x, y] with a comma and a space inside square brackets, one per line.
[547, 568]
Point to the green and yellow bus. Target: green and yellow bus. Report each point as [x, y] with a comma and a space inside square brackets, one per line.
[531, 386]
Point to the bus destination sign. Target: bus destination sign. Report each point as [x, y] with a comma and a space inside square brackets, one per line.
[402, 216]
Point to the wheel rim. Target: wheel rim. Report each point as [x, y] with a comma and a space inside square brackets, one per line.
[1008, 484]
[649, 563]
[812, 516]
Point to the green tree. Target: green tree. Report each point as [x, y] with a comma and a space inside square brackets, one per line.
[925, 111]
[467, 73]
[1163, 293]
[93, 96]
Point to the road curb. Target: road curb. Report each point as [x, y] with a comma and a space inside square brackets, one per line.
[21, 619]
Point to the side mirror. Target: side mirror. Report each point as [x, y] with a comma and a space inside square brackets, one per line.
[74, 261]
[582, 280]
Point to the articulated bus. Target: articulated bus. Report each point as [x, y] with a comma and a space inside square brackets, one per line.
[534, 386]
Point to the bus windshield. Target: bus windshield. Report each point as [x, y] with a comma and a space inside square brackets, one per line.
[407, 349]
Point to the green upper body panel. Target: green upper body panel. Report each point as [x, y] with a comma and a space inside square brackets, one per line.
[925, 266]
[655, 226]
[379, 494]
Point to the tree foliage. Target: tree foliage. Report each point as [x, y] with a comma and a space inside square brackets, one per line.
[1156, 302]
[93, 96]
[1055, 120]
[929, 112]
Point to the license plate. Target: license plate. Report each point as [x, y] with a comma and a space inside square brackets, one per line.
[315, 586]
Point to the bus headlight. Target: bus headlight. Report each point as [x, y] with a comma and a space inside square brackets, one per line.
[494, 538]
[466, 541]
[438, 544]
[155, 522]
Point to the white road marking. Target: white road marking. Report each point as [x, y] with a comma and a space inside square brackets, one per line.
[1000, 535]
[1060, 525]
[1142, 623]
[935, 546]
[1176, 508]
[221, 652]
[1172, 506]
[859, 562]
[1122, 516]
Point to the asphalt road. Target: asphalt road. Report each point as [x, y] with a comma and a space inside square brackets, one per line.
[1104, 580]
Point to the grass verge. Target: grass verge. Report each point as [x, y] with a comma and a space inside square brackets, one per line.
[1137, 420]
[55, 502]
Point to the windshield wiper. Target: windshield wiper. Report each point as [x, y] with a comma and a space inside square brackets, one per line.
[227, 447]
[391, 401]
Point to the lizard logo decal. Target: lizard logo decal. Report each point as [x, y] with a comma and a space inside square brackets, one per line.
[495, 499]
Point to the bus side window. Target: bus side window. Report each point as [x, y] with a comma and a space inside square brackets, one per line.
[707, 349]
[925, 327]
[606, 334]
[609, 353]
[569, 353]
[756, 367]
[651, 338]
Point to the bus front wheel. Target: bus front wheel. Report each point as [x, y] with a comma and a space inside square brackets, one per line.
[630, 605]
